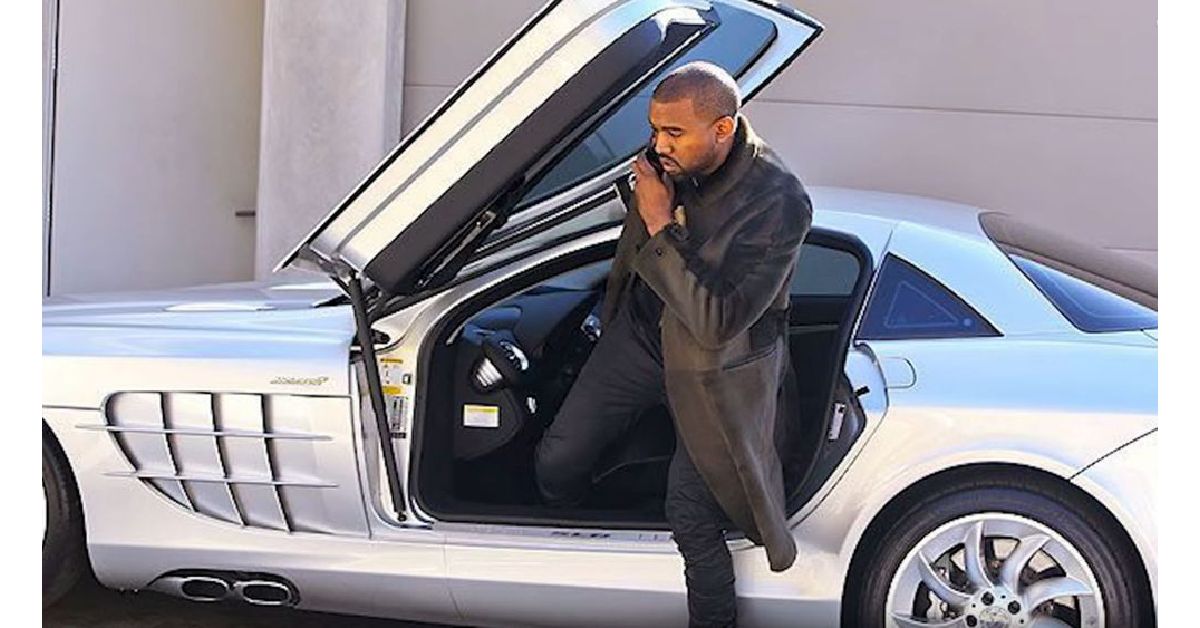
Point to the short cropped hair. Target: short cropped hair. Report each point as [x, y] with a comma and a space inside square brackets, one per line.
[712, 90]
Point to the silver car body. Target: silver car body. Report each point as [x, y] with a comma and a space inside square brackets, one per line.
[228, 427]
[1043, 396]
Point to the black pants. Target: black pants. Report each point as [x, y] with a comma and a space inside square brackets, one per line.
[623, 376]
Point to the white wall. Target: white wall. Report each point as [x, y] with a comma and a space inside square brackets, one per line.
[1046, 110]
[156, 143]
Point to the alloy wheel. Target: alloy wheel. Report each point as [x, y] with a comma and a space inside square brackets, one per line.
[994, 570]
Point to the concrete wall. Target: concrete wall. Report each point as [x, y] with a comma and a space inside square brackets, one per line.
[332, 77]
[156, 143]
[1046, 110]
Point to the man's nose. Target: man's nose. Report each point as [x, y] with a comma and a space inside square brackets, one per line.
[661, 146]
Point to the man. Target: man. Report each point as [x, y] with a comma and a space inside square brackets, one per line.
[695, 315]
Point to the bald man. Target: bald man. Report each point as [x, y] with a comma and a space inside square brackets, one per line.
[695, 315]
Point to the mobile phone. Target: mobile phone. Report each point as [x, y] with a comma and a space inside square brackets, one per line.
[652, 157]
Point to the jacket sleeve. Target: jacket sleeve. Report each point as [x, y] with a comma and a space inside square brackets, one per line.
[717, 304]
[631, 230]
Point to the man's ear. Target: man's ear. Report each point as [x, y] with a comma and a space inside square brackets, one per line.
[725, 126]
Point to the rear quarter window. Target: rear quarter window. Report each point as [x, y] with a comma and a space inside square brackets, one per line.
[908, 304]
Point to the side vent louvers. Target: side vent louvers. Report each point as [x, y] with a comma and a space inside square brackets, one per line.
[252, 460]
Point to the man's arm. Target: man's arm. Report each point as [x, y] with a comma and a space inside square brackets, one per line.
[717, 304]
[632, 231]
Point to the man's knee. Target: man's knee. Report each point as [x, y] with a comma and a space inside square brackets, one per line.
[559, 477]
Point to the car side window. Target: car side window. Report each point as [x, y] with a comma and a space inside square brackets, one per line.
[908, 303]
[733, 46]
[824, 271]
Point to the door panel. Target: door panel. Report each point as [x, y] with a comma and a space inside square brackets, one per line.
[429, 199]
[500, 579]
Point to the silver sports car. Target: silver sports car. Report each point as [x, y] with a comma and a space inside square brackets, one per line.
[972, 422]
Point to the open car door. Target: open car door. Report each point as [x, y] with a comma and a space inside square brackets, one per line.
[456, 178]
[574, 67]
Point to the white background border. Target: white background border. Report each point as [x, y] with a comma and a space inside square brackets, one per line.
[1179, 178]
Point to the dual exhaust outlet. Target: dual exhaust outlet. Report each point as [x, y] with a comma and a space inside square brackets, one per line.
[258, 589]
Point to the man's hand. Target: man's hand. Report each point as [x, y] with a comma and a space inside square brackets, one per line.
[655, 195]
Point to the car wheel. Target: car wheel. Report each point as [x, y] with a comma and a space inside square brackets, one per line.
[63, 558]
[996, 553]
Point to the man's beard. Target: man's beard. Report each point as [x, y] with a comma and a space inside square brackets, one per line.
[696, 172]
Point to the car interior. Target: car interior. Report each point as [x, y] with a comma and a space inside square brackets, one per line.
[500, 366]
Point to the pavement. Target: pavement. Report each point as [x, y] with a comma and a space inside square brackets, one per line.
[89, 605]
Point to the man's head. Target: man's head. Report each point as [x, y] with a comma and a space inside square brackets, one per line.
[693, 116]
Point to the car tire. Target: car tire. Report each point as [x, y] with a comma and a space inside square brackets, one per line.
[64, 557]
[1085, 526]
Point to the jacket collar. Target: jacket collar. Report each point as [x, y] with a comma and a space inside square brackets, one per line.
[746, 146]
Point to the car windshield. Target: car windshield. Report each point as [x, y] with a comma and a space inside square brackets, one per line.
[1096, 289]
[1087, 306]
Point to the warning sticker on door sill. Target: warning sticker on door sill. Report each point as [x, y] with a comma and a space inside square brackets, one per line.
[481, 416]
[393, 373]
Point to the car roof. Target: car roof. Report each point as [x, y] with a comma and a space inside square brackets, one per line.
[839, 207]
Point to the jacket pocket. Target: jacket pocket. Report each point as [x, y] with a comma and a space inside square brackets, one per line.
[753, 356]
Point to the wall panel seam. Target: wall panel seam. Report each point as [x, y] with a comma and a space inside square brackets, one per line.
[967, 110]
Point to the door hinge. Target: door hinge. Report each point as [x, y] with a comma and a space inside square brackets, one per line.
[353, 287]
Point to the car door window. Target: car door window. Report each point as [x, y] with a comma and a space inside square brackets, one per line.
[824, 271]
[908, 303]
[822, 286]
[734, 46]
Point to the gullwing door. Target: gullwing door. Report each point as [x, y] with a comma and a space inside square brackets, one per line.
[456, 178]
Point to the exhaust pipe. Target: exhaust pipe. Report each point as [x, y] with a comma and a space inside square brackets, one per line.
[194, 588]
[214, 586]
[264, 593]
